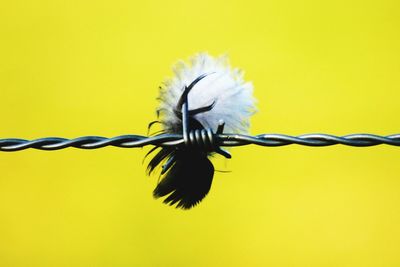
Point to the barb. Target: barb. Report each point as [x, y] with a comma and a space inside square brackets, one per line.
[130, 141]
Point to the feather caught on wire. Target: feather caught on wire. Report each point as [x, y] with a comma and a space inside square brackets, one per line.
[204, 97]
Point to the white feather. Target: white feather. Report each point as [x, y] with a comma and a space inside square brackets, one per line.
[234, 101]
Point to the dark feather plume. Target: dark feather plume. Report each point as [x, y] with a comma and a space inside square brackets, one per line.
[187, 174]
[188, 181]
[189, 178]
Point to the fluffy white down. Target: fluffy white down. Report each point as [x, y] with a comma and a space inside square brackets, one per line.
[234, 101]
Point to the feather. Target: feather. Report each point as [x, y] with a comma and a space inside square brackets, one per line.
[188, 181]
[218, 93]
[224, 88]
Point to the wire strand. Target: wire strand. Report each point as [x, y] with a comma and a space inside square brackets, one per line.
[131, 141]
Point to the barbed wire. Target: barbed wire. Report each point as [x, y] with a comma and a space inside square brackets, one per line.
[203, 138]
[163, 140]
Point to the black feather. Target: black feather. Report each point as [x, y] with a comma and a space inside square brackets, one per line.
[189, 178]
[163, 154]
[188, 181]
[188, 171]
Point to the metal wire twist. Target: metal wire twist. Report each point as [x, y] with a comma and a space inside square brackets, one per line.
[130, 141]
[204, 139]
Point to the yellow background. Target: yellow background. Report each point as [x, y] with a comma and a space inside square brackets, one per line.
[73, 68]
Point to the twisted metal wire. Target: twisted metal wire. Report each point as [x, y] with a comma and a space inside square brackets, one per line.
[130, 141]
[204, 139]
